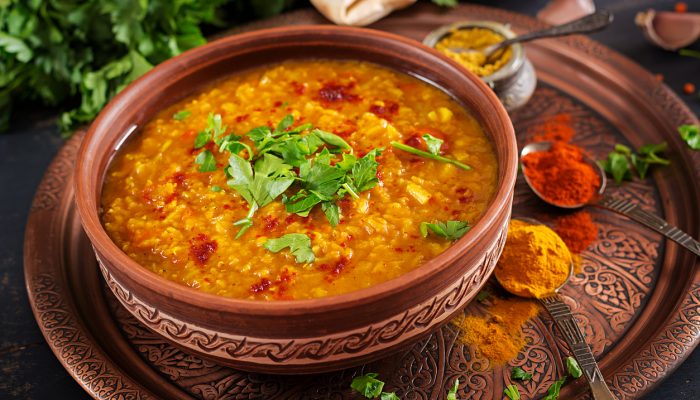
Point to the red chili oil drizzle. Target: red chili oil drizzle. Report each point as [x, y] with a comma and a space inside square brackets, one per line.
[201, 248]
[333, 92]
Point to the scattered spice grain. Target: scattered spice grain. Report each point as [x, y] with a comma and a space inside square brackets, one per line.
[561, 175]
[578, 230]
[555, 128]
[498, 335]
[681, 7]
[689, 88]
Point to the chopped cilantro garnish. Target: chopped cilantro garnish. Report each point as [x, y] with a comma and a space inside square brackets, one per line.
[181, 115]
[216, 188]
[298, 243]
[388, 396]
[573, 367]
[206, 161]
[368, 385]
[691, 135]
[519, 374]
[450, 230]
[202, 139]
[431, 156]
[433, 143]
[553, 391]
[512, 392]
[452, 393]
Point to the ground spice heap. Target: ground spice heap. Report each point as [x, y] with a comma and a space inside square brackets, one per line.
[535, 261]
[498, 335]
[561, 175]
[474, 38]
[578, 230]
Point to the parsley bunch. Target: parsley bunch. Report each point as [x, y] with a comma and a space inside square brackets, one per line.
[327, 168]
[62, 51]
[618, 162]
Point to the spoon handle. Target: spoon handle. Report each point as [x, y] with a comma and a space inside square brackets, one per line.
[590, 23]
[635, 213]
[561, 313]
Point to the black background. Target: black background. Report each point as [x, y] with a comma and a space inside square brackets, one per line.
[28, 368]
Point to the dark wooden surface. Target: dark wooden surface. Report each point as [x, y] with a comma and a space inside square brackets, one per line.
[28, 369]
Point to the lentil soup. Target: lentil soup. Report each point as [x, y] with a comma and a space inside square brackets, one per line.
[385, 171]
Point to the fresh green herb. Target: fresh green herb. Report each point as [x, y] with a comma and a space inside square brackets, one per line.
[519, 374]
[431, 156]
[206, 161]
[433, 144]
[512, 392]
[573, 367]
[298, 243]
[618, 162]
[216, 188]
[446, 3]
[450, 230]
[202, 139]
[388, 396]
[553, 391]
[691, 135]
[368, 385]
[689, 53]
[57, 52]
[452, 393]
[332, 212]
[182, 115]
[482, 295]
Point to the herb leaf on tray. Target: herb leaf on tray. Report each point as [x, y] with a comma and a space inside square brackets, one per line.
[368, 385]
[691, 135]
[452, 393]
[573, 367]
[511, 391]
[518, 373]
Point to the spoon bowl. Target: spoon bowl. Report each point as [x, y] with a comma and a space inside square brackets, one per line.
[536, 147]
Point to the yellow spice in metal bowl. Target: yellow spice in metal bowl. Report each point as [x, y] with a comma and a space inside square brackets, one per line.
[474, 38]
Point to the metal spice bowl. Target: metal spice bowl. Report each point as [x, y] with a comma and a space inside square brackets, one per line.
[515, 82]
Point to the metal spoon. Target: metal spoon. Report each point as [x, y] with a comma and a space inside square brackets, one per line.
[575, 339]
[590, 23]
[620, 206]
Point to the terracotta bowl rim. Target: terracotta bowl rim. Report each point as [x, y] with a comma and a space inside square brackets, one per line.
[103, 244]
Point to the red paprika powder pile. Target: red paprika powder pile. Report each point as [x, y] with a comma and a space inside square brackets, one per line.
[561, 175]
[577, 230]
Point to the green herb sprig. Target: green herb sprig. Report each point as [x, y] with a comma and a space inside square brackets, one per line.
[691, 135]
[573, 367]
[298, 243]
[619, 160]
[511, 391]
[452, 393]
[450, 230]
[519, 374]
[369, 386]
[433, 152]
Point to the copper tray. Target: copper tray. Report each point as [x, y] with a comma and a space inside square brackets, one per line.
[637, 298]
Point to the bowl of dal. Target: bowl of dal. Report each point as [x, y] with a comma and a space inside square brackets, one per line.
[297, 200]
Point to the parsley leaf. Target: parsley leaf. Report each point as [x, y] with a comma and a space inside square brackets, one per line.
[364, 171]
[181, 115]
[573, 367]
[388, 396]
[450, 230]
[452, 393]
[437, 157]
[553, 391]
[433, 144]
[617, 166]
[446, 3]
[298, 243]
[331, 139]
[206, 161]
[202, 139]
[691, 135]
[368, 385]
[512, 392]
[518, 373]
[332, 212]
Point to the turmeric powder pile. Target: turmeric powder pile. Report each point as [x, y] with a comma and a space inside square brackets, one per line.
[535, 261]
[497, 335]
[474, 38]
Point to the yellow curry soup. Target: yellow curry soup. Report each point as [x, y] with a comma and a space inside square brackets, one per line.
[179, 222]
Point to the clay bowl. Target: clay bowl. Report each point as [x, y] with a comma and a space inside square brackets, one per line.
[302, 336]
